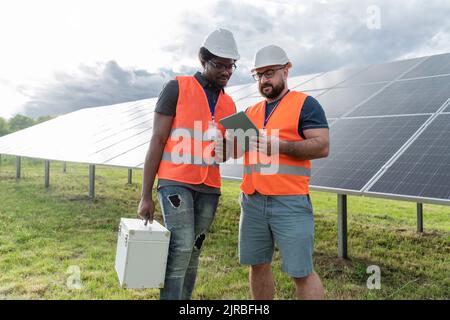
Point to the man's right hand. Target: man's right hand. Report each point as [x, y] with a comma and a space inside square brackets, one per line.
[146, 209]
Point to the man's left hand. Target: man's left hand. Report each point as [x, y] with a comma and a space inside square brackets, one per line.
[268, 145]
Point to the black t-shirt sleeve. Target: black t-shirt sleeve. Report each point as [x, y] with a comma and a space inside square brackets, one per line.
[168, 99]
[312, 116]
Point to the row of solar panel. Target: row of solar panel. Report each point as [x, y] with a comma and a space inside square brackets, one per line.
[361, 147]
[412, 96]
[119, 134]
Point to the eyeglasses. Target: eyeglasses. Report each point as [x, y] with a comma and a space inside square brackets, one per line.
[220, 66]
[267, 74]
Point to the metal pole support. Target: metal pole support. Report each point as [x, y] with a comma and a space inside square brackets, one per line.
[47, 173]
[342, 226]
[130, 176]
[18, 167]
[419, 217]
[91, 181]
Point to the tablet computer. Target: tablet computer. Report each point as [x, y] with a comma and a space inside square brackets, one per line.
[238, 120]
[243, 126]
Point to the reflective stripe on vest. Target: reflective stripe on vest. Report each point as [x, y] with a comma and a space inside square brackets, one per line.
[188, 159]
[280, 169]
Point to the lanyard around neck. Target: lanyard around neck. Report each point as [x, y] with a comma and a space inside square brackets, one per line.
[273, 109]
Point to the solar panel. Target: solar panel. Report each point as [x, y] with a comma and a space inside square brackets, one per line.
[232, 169]
[382, 72]
[110, 132]
[336, 102]
[244, 91]
[127, 154]
[434, 65]
[294, 82]
[328, 79]
[360, 147]
[408, 97]
[243, 104]
[233, 89]
[423, 170]
[314, 93]
[80, 136]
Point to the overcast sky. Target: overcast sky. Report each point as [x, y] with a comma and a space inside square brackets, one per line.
[58, 56]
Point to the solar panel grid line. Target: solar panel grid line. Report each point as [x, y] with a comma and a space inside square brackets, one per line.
[105, 125]
[423, 171]
[237, 88]
[118, 115]
[244, 92]
[408, 97]
[126, 144]
[397, 155]
[118, 155]
[382, 89]
[149, 118]
[131, 126]
[381, 73]
[132, 159]
[425, 77]
[391, 116]
[122, 140]
[359, 148]
[122, 121]
[436, 64]
[338, 100]
[304, 82]
[343, 80]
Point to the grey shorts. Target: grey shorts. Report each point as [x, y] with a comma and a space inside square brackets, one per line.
[286, 222]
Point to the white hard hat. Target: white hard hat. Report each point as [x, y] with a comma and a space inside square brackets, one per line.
[221, 43]
[270, 56]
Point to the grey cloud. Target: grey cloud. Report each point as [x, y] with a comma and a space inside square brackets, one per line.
[317, 35]
[324, 35]
[98, 85]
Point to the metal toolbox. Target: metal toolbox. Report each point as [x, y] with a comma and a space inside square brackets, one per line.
[141, 255]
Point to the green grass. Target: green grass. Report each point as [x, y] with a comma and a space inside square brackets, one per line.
[45, 231]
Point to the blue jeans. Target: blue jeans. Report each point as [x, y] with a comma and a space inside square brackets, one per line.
[188, 215]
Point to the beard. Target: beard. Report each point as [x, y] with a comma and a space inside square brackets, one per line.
[276, 90]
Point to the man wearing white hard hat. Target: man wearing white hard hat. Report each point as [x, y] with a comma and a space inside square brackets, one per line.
[187, 114]
[275, 206]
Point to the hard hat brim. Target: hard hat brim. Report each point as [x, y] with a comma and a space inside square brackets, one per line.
[288, 65]
[224, 55]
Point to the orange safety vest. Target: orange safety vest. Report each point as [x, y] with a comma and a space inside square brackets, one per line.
[188, 157]
[278, 174]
